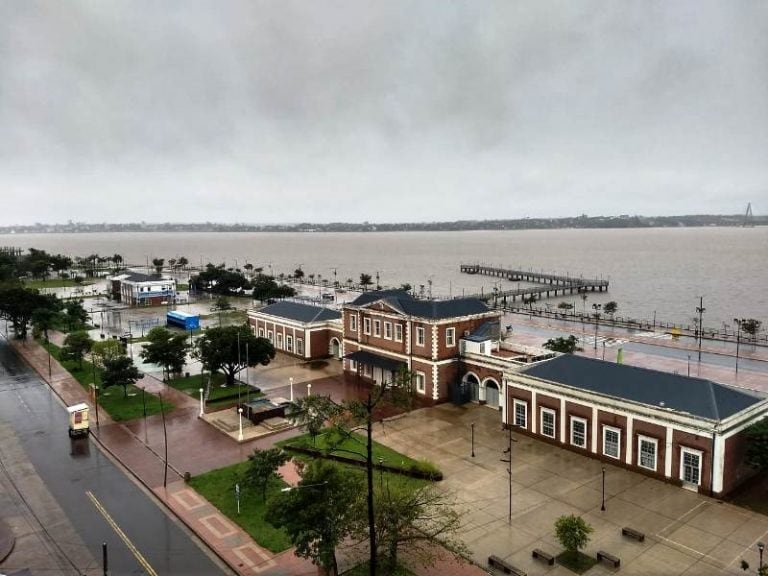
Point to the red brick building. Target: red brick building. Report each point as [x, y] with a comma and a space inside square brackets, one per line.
[301, 330]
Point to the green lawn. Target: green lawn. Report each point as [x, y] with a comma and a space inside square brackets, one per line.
[219, 396]
[218, 486]
[54, 283]
[118, 407]
[181, 287]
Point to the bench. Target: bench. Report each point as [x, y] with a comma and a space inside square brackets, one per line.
[503, 566]
[609, 557]
[632, 533]
[541, 555]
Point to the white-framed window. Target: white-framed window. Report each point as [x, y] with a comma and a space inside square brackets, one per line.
[367, 370]
[300, 346]
[611, 442]
[450, 337]
[690, 465]
[289, 343]
[377, 327]
[398, 332]
[420, 380]
[521, 413]
[270, 337]
[280, 340]
[578, 432]
[548, 417]
[353, 365]
[388, 330]
[261, 332]
[647, 451]
[366, 326]
[353, 323]
[419, 336]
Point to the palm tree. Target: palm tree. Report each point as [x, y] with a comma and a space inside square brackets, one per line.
[365, 281]
[158, 263]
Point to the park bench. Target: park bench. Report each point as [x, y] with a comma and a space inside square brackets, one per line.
[541, 555]
[609, 557]
[632, 533]
[503, 566]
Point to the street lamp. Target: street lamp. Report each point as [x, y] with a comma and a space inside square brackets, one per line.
[602, 506]
[760, 548]
[738, 340]
[700, 309]
[596, 307]
[240, 420]
[309, 389]
[472, 438]
[202, 405]
[290, 383]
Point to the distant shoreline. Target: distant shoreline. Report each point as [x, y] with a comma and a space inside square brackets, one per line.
[579, 222]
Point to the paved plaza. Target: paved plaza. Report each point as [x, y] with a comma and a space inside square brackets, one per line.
[686, 533]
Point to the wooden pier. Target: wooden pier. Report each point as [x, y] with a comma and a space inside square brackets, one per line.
[550, 285]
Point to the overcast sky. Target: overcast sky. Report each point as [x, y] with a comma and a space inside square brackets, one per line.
[382, 111]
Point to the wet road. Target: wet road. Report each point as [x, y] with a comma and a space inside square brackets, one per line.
[99, 500]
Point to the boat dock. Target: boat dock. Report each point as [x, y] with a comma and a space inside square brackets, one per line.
[550, 285]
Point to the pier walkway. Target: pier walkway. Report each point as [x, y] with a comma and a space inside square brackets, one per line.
[551, 285]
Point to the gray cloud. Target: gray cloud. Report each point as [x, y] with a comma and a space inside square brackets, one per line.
[290, 111]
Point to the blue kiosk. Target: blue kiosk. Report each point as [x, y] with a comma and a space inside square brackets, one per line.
[183, 320]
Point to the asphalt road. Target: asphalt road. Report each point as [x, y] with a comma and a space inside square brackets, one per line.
[98, 499]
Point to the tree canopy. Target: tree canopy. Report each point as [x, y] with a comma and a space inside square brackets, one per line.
[76, 346]
[567, 345]
[167, 349]
[219, 280]
[262, 467]
[265, 287]
[610, 308]
[757, 445]
[232, 348]
[17, 304]
[572, 532]
[120, 371]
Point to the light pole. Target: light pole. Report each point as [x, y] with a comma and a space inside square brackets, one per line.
[700, 309]
[689, 365]
[240, 422]
[309, 389]
[202, 405]
[596, 307]
[602, 506]
[290, 384]
[472, 438]
[738, 340]
[760, 548]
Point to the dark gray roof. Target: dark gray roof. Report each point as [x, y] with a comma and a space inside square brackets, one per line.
[365, 357]
[486, 331]
[695, 396]
[138, 277]
[434, 309]
[300, 312]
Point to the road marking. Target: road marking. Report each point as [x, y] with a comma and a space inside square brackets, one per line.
[135, 551]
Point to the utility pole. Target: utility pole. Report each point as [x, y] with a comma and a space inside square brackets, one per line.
[508, 452]
[700, 309]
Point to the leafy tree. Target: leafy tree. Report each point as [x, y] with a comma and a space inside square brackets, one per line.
[232, 348]
[751, 326]
[757, 445]
[262, 467]
[413, 522]
[218, 280]
[365, 281]
[166, 349]
[182, 262]
[265, 287]
[405, 287]
[610, 308]
[104, 350]
[572, 532]
[117, 260]
[560, 344]
[355, 414]
[120, 371]
[17, 304]
[76, 346]
[530, 300]
[75, 314]
[320, 513]
[158, 263]
[298, 274]
[44, 319]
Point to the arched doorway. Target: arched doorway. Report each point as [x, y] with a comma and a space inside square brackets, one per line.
[334, 348]
[491, 393]
[473, 383]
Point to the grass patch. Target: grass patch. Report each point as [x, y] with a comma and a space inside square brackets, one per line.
[218, 487]
[575, 561]
[363, 570]
[180, 287]
[54, 283]
[191, 385]
[111, 399]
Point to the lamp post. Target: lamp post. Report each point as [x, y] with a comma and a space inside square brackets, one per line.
[202, 405]
[290, 384]
[760, 548]
[309, 389]
[596, 307]
[472, 438]
[738, 340]
[689, 365]
[700, 309]
[240, 422]
[602, 506]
